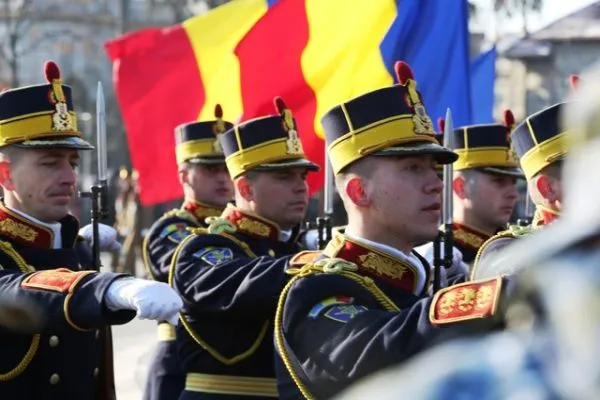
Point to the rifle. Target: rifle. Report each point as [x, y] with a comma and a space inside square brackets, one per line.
[446, 235]
[99, 211]
[324, 223]
[99, 192]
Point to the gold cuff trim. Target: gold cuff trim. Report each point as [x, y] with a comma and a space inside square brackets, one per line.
[68, 299]
[264, 153]
[231, 385]
[544, 154]
[196, 148]
[357, 144]
[166, 332]
[33, 126]
[483, 157]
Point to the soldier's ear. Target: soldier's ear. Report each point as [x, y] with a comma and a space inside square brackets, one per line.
[459, 187]
[355, 190]
[544, 186]
[5, 175]
[243, 186]
[183, 175]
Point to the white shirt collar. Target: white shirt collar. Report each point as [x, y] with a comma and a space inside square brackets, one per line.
[284, 236]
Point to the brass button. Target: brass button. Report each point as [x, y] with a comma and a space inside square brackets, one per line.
[271, 252]
[54, 378]
[53, 341]
[96, 372]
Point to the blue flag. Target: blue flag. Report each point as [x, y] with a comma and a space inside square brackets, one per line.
[432, 36]
[483, 76]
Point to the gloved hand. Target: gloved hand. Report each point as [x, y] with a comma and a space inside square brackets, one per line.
[151, 299]
[106, 234]
[458, 266]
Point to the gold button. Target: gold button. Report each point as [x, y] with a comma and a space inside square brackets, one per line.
[54, 378]
[96, 372]
[271, 252]
[53, 341]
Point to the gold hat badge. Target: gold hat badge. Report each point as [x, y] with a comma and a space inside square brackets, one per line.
[61, 119]
[218, 129]
[422, 123]
[509, 122]
[293, 143]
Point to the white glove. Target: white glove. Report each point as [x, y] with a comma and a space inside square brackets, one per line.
[106, 234]
[426, 251]
[151, 299]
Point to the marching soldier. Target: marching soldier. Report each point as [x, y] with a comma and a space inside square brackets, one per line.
[484, 185]
[364, 302]
[550, 348]
[541, 145]
[44, 264]
[207, 188]
[224, 272]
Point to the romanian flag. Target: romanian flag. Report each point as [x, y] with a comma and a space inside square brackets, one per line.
[313, 53]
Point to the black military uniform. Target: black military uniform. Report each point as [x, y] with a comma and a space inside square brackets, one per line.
[66, 354]
[196, 142]
[358, 307]
[228, 285]
[539, 141]
[485, 148]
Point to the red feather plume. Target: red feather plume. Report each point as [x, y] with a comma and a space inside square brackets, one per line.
[441, 123]
[218, 111]
[51, 71]
[279, 104]
[403, 72]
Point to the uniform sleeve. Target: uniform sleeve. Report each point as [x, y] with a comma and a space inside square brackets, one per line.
[53, 299]
[344, 338]
[487, 261]
[214, 274]
[160, 245]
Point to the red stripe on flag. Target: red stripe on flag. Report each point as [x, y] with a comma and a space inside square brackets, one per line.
[158, 86]
[269, 57]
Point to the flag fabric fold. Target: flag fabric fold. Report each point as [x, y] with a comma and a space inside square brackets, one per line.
[313, 53]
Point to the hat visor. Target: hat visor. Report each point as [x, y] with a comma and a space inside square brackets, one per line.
[515, 172]
[206, 160]
[441, 154]
[60, 142]
[286, 164]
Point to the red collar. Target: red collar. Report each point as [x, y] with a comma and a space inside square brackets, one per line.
[372, 262]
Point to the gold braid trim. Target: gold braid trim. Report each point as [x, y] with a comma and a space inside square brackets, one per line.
[35, 339]
[328, 266]
[199, 341]
[146, 258]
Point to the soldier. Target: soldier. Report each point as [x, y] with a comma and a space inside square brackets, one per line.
[365, 302]
[541, 145]
[207, 188]
[484, 186]
[550, 349]
[44, 264]
[129, 222]
[224, 273]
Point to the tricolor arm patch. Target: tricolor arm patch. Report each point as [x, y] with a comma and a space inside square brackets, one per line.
[175, 232]
[338, 308]
[465, 301]
[214, 255]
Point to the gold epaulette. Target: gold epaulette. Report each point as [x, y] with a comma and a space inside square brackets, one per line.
[465, 301]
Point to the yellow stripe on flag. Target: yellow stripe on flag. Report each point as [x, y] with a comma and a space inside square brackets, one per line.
[342, 58]
[213, 37]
